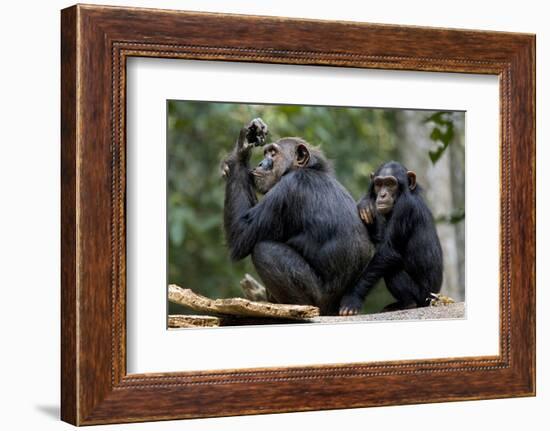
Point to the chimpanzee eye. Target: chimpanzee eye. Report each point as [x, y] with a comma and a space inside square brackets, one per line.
[391, 182]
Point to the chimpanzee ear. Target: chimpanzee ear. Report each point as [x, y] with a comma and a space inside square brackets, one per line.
[372, 176]
[302, 155]
[412, 180]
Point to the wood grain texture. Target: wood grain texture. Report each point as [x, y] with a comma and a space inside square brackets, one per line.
[190, 321]
[96, 41]
[69, 325]
[239, 306]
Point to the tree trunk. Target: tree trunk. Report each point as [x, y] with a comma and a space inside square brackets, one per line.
[443, 184]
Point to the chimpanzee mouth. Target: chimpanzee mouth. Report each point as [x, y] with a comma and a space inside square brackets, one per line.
[383, 206]
[256, 173]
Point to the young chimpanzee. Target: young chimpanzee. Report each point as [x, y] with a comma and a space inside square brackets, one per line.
[305, 238]
[408, 253]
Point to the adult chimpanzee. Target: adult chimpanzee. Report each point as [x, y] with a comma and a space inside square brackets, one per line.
[306, 240]
[408, 253]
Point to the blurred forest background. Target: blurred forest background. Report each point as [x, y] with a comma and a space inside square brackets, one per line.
[357, 140]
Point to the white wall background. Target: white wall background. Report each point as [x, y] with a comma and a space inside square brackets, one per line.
[29, 219]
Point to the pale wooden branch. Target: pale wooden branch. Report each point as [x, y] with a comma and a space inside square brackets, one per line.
[253, 289]
[188, 321]
[239, 306]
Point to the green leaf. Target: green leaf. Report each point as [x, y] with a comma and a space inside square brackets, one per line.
[442, 133]
[436, 154]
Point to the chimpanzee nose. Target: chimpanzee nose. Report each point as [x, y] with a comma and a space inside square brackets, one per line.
[266, 164]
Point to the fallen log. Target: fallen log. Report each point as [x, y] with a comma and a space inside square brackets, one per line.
[239, 306]
[177, 321]
[189, 321]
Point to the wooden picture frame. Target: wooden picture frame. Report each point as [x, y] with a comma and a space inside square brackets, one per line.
[95, 43]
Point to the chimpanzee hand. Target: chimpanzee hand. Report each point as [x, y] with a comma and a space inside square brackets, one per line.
[367, 210]
[256, 132]
[350, 305]
[249, 137]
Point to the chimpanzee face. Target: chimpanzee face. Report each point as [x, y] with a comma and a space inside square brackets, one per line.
[391, 180]
[279, 158]
[386, 189]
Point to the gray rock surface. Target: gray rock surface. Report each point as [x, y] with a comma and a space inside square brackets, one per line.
[450, 311]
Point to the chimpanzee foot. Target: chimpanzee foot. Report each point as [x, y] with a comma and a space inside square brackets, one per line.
[350, 305]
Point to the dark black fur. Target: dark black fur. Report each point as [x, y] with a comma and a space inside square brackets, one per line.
[305, 238]
[408, 252]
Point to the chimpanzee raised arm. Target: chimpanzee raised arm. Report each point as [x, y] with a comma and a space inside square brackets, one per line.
[408, 252]
[241, 208]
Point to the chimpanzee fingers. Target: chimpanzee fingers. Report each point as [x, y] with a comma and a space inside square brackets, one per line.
[350, 305]
[342, 310]
[369, 217]
[347, 311]
[256, 132]
[225, 170]
[366, 215]
[261, 127]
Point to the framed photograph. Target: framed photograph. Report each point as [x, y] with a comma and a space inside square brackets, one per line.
[264, 215]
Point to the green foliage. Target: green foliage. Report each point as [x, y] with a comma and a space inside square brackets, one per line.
[442, 133]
